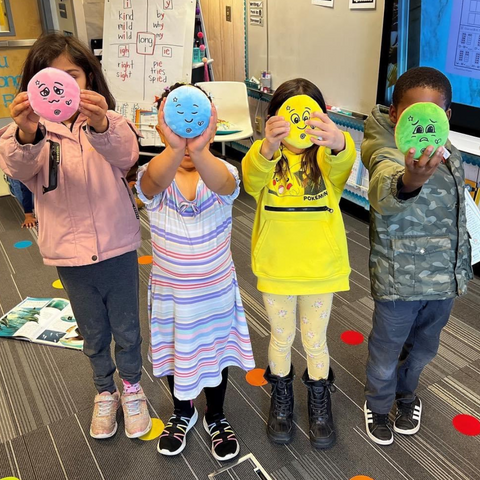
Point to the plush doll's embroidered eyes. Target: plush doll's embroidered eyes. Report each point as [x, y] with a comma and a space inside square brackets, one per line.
[297, 110]
[53, 94]
[421, 125]
[187, 111]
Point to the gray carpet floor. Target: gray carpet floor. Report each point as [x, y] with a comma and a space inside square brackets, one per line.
[46, 393]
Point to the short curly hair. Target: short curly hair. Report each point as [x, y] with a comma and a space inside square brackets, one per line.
[174, 87]
[423, 77]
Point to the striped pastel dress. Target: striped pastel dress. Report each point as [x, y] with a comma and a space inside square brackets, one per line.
[197, 322]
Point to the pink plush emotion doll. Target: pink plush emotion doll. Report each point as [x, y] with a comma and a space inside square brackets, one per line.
[53, 94]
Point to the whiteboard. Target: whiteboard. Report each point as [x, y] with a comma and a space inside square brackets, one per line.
[147, 45]
[336, 48]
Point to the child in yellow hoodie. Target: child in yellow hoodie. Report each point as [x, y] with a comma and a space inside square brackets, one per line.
[299, 247]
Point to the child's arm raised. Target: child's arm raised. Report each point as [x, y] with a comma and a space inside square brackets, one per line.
[214, 173]
[418, 172]
[109, 133]
[161, 169]
[22, 143]
[337, 159]
[260, 161]
[25, 118]
[395, 182]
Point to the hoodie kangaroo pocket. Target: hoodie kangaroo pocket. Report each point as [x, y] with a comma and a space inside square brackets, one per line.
[289, 250]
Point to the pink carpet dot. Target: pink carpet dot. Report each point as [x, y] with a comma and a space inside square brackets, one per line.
[467, 425]
[351, 337]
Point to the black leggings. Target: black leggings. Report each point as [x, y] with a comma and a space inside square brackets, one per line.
[215, 398]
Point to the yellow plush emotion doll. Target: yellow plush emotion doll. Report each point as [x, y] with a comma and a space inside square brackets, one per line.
[297, 110]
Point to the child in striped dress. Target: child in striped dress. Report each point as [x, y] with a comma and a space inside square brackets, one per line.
[197, 321]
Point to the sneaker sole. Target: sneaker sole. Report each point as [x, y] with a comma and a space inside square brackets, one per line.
[226, 457]
[373, 437]
[412, 431]
[168, 453]
[140, 434]
[103, 436]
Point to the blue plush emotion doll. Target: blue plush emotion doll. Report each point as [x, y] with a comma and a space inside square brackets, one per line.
[187, 111]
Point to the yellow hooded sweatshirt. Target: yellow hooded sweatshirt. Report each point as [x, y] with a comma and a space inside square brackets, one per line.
[299, 245]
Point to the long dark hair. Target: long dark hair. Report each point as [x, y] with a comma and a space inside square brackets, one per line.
[50, 46]
[290, 88]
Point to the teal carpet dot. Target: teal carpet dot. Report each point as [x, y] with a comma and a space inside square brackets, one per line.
[23, 244]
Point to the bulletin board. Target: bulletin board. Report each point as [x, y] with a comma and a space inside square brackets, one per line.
[11, 62]
[336, 48]
[147, 45]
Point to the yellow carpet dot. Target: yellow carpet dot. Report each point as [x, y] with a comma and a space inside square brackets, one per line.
[55, 284]
[9, 478]
[155, 432]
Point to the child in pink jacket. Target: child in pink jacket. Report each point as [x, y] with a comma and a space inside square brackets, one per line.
[88, 221]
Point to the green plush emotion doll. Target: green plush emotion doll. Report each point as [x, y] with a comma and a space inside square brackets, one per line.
[421, 125]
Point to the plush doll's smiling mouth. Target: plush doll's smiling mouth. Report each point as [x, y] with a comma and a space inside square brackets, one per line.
[188, 121]
[300, 128]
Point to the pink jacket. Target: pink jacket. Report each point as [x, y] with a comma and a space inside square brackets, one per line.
[91, 216]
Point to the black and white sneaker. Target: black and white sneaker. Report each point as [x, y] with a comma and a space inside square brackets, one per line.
[378, 427]
[225, 445]
[409, 415]
[174, 437]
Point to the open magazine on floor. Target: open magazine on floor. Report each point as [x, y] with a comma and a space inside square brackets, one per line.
[48, 321]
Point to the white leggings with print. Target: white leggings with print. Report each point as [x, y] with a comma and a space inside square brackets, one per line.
[314, 313]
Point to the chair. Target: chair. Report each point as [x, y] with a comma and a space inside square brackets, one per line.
[231, 101]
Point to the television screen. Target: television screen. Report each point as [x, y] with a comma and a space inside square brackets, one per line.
[443, 34]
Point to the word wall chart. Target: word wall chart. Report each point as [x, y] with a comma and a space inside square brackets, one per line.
[147, 46]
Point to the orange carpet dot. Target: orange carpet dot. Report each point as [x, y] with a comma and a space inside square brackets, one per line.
[361, 477]
[255, 377]
[145, 260]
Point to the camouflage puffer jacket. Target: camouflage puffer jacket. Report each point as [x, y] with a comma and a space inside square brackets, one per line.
[419, 247]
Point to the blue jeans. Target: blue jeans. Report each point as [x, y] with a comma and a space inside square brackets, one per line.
[404, 339]
[104, 298]
[22, 194]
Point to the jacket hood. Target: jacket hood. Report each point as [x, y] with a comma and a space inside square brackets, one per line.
[379, 132]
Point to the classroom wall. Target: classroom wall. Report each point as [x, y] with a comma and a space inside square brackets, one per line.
[226, 40]
[336, 48]
[93, 10]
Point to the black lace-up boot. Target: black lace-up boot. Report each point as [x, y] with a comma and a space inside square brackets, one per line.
[322, 429]
[280, 416]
